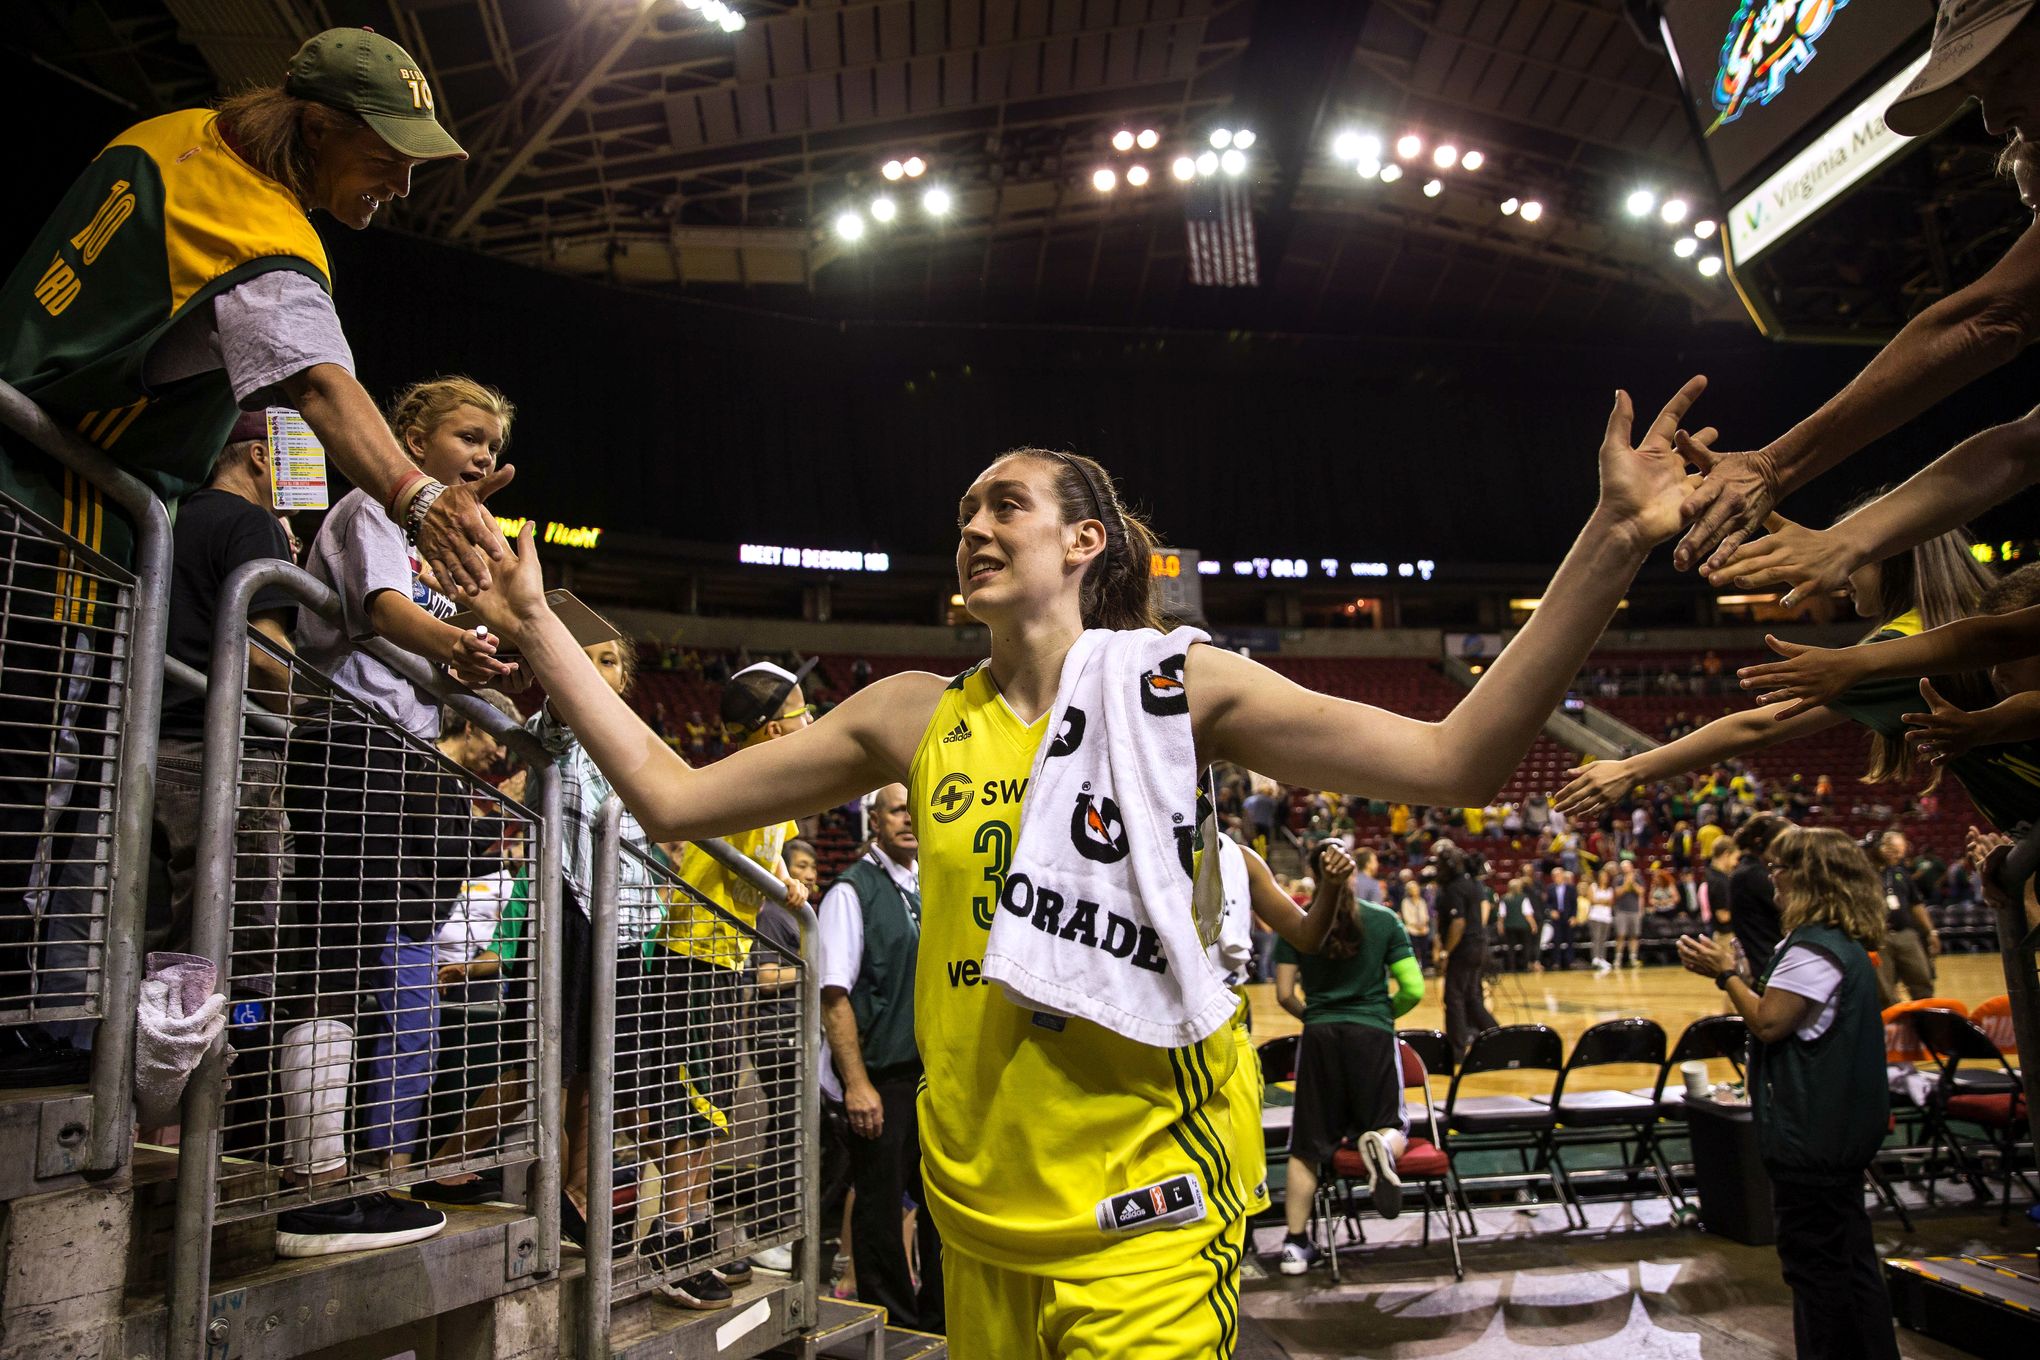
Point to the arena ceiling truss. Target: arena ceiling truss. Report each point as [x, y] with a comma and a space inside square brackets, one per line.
[639, 143]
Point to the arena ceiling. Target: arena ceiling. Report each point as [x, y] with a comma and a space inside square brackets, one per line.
[640, 143]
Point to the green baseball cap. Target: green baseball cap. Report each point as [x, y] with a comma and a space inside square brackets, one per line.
[362, 72]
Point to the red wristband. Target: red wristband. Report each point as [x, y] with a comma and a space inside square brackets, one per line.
[404, 483]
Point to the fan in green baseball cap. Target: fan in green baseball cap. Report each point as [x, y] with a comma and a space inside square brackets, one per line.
[359, 71]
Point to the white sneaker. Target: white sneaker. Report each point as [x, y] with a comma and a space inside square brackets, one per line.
[1386, 1188]
[1601, 965]
[774, 1260]
[1298, 1258]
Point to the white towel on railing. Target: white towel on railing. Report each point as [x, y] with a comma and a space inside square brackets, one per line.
[1097, 919]
[179, 1018]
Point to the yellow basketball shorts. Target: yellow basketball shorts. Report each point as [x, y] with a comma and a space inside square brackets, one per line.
[1188, 1311]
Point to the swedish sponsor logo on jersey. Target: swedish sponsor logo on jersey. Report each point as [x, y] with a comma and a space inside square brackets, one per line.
[952, 797]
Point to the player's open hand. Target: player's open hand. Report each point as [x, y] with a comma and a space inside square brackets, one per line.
[514, 598]
[1807, 678]
[1804, 562]
[1643, 482]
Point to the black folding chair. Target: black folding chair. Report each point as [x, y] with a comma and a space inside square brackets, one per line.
[1278, 1063]
[1993, 1099]
[1709, 1037]
[1603, 1117]
[1432, 1048]
[1508, 1123]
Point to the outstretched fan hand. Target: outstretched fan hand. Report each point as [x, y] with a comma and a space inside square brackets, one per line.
[1643, 482]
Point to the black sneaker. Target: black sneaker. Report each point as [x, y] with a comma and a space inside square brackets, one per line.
[484, 1189]
[704, 1292]
[363, 1223]
[574, 1230]
[733, 1272]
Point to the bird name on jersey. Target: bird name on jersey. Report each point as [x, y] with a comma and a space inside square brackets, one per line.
[1165, 1204]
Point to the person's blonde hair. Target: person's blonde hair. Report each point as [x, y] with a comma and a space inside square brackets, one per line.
[1821, 877]
[424, 406]
[267, 127]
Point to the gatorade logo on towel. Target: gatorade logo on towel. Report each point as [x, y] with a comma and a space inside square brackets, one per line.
[1096, 829]
[1161, 689]
[1070, 735]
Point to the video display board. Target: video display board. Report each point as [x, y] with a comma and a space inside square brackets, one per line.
[1763, 75]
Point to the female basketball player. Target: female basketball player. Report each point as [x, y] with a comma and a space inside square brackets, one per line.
[1033, 1137]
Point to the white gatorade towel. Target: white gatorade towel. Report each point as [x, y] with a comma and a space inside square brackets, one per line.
[1097, 918]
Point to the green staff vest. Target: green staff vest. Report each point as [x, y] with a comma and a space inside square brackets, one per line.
[166, 218]
[883, 999]
[1822, 1107]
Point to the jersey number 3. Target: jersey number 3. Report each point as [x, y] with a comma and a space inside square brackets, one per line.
[994, 840]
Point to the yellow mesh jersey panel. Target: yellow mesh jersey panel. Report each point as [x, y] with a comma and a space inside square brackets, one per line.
[1024, 1129]
[219, 212]
[703, 934]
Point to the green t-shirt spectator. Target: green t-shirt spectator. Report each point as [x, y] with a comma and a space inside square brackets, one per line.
[1352, 991]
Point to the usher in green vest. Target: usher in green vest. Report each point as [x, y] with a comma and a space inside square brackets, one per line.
[883, 999]
[165, 219]
[1822, 1107]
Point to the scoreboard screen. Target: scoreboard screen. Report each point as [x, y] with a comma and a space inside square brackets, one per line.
[1175, 585]
[1762, 75]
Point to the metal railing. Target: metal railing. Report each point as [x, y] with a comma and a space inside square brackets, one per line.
[704, 1045]
[78, 638]
[342, 1049]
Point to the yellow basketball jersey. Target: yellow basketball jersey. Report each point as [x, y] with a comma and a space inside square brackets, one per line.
[1029, 1124]
[689, 930]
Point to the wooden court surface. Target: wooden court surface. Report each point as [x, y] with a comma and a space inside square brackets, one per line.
[1571, 1002]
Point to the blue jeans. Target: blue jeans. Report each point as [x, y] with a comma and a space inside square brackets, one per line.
[401, 1037]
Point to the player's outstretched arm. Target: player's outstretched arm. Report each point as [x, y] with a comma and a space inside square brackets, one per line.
[864, 742]
[1248, 714]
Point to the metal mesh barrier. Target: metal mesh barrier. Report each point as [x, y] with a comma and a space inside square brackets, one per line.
[702, 1081]
[382, 953]
[66, 621]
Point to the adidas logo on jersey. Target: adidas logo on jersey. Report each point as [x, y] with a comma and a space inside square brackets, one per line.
[960, 732]
[1131, 1212]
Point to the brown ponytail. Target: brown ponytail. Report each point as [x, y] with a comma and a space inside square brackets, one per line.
[1116, 583]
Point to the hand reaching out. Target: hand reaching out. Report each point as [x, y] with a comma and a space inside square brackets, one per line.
[1806, 562]
[1809, 677]
[1594, 788]
[1946, 731]
[515, 596]
[474, 662]
[1729, 505]
[460, 538]
[1987, 851]
[1643, 483]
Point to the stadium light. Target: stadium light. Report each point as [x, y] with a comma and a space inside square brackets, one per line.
[1346, 146]
[1104, 179]
[1704, 228]
[1409, 145]
[1433, 188]
[1509, 206]
[1531, 210]
[732, 21]
[1641, 201]
[893, 170]
[1445, 155]
[1685, 247]
[1243, 139]
[1234, 161]
[915, 166]
[1472, 160]
[1710, 266]
[1207, 164]
[1149, 139]
[849, 226]
[936, 201]
[884, 209]
[1136, 175]
[1674, 211]
[713, 10]
[1369, 167]
[1390, 173]
[1183, 168]
[1221, 138]
[1122, 140]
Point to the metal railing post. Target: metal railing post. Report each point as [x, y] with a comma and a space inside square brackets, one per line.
[810, 1115]
[134, 809]
[601, 1057]
[551, 964]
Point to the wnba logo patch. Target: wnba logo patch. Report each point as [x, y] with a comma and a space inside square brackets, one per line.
[1161, 689]
[1097, 830]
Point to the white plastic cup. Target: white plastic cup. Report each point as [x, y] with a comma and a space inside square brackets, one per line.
[1694, 1074]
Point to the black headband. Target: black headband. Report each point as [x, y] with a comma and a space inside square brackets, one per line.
[1090, 482]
